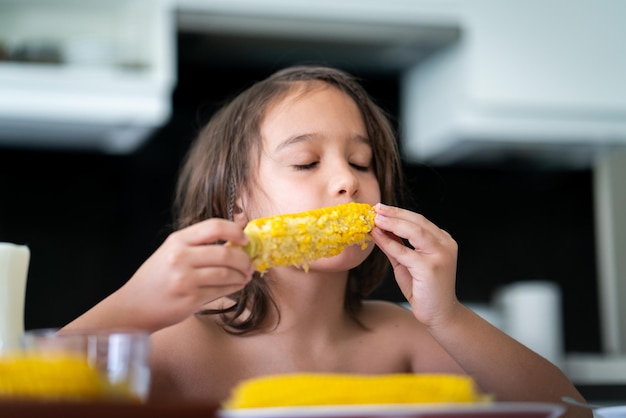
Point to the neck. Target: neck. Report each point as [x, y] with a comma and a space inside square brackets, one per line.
[309, 301]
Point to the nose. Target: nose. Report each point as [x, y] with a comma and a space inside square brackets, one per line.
[343, 180]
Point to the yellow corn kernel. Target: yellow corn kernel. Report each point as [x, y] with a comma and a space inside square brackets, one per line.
[302, 389]
[299, 238]
[53, 376]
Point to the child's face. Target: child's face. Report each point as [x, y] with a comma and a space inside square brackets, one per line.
[315, 154]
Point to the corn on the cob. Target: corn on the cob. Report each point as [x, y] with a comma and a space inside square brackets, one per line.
[299, 238]
[347, 389]
[54, 376]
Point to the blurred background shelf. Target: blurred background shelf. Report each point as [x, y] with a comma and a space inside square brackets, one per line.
[85, 74]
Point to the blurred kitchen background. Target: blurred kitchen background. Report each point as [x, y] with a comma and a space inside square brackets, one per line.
[511, 117]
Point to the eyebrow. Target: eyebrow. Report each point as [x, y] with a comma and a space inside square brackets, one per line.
[308, 137]
[294, 140]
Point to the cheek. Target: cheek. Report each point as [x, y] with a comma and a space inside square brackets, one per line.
[371, 188]
[276, 187]
[278, 195]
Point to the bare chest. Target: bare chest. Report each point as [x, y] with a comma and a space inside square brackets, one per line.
[215, 374]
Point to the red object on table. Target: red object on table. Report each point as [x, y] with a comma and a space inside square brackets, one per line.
[10, 409]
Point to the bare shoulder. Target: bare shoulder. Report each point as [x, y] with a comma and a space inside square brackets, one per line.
[392, 320]
[395, 322]
[197, 337]
[378, 312]
[180, 353]
[189, 335]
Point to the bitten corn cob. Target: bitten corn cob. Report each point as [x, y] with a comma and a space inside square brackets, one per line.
[299, 238]
[54, 376]
[347, 389]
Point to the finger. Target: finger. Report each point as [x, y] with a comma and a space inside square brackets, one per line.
[218, 256]
[389, 244]
[215, 277]
[399, 255]
[422, 235]
[396, 252]
[386, 241]
[420, 238]
[408, 262]
[211, 231]
[212, 294]
[411, 217]
[220, 277]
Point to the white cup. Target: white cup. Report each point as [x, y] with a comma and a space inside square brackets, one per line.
[14, 260]
[531, 313]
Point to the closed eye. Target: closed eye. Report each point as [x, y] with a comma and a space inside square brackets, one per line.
[305, 166]
[360, 167]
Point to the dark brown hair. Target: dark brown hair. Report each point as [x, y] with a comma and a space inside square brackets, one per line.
[222, 162]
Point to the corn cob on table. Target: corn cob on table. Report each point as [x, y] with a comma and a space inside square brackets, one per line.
[299, 238]
[311, 389]
[58, 376]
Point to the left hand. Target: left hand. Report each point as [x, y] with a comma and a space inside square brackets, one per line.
[425, 274]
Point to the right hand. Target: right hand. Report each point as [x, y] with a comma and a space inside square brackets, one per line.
[187, 271]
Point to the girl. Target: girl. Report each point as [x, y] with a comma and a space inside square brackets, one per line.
[304, 138]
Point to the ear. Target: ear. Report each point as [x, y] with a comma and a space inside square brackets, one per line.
[239, 216]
